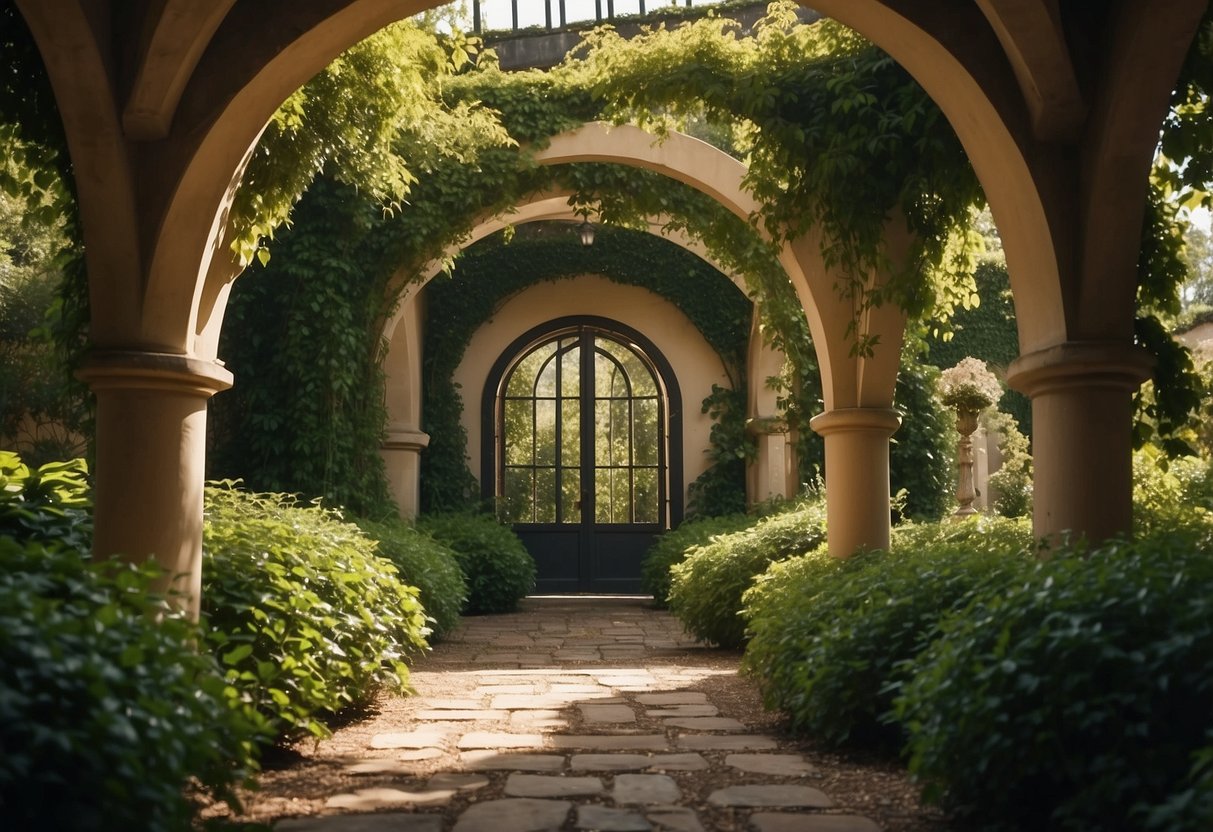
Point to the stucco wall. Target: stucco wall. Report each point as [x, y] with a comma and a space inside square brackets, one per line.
[696, 364]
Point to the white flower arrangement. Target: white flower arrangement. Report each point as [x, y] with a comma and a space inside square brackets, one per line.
[969, 386]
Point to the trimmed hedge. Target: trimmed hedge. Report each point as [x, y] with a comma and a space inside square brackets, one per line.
[497, 567]
[426, 564]
[828, 637]
[109, 716]
[673, 547]
[1078, 698]
[304, 616]
[707, 587]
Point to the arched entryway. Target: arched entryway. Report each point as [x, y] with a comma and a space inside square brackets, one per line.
[582, 450]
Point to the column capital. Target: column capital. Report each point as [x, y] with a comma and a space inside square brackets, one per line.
[158, 371]
[856, 420]
[405, 439]
[1111, 365]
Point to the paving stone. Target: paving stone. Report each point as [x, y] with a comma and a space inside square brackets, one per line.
[575, 687]
[496, 761]
[785, 765]
[611, 742]
[416, 754]
[516, 815]
[500, 690]
[645, 788]
[457, 781]
[688, 697]
[540, 701]
[787, 822]
[706, 723]
[770, 796]
[607, 714]
[422, 738]
[610, 762]
[462, 715]
[379, 766]
[678, 762]
[725, 742]
[605, 819]
[388, 822]
[366, 800]
[451, 704]
[675, 820]
[496, 739]
[551, 720]
[683, 710]
[646, 682]
[543, 785]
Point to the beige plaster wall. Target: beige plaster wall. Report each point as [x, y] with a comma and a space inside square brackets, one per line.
[695, 363]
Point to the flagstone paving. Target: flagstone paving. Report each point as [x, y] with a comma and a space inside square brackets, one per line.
[579, 714]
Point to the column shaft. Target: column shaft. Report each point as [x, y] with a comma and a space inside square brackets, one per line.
[857, 477]
[1082, 436]
[151, 452]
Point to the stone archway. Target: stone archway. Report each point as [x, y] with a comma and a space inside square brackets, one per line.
[163, 103]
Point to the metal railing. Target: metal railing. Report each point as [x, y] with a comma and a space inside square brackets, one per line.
[556, 12]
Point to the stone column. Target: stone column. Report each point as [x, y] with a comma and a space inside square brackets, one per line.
[151, 453]
[773, 472]
[401, 453]
[857, 476]
[1082, 436]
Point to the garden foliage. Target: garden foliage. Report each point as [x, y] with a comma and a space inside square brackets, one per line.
[303, 614]
[498, 568]
[828, 636]
[707, 587]
[109, 716]
[675, 545]
[426, 564]
[1077, 697]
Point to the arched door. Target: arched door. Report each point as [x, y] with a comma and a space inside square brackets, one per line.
[581, 427]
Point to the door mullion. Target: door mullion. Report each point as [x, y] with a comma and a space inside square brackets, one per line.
[589, 487]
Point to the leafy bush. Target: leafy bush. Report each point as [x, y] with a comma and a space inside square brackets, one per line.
[50, 504]
[828, 637]
[498, 568]
[1011, 484]
[109, 718]
[676, 544]
[707, 587]
[304, 616]
[922, 451]
[1170, 493]
[1079, 698]
[426, 564]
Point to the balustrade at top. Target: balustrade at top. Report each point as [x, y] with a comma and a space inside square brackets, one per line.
[557, 14]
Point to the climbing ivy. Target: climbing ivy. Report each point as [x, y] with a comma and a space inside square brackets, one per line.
[308, 416]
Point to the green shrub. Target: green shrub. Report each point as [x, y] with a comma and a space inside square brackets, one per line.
[828, 637]
[1011, 485]
[707, 587]
[922, 451]
[109, 718]
[1078, 698]
[676, 544]
[426, 564]
[498, 568]
[49, 504]
[1170, 493]
[303, 614]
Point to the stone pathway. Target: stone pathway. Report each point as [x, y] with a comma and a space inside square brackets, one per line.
[575, 714]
